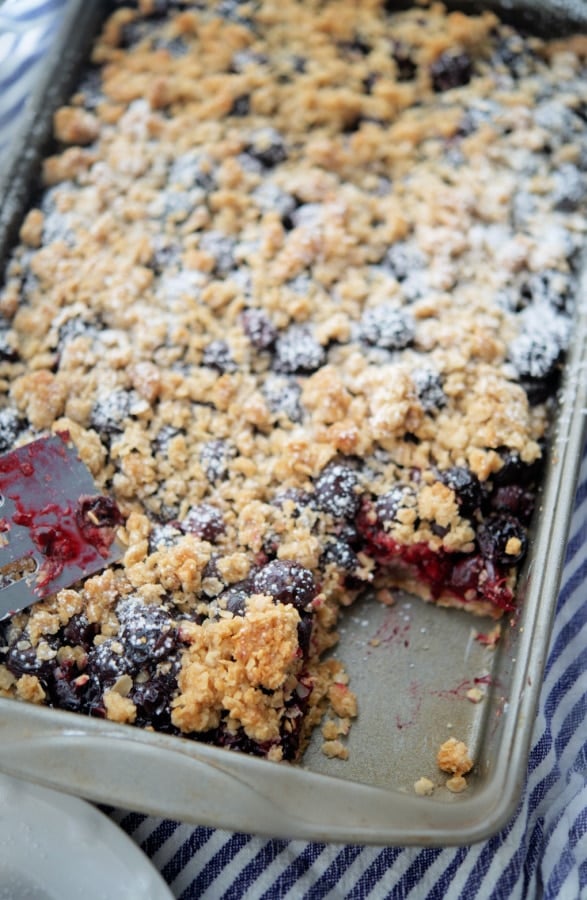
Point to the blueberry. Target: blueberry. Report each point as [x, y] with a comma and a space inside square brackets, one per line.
[536, 355]
[217, 355]
[428, 384]
[166, 255]
[241, 105]
[234, 598]
[515, 500]
[97, 511]
[21, 659]
[516, 472]
[259, 328]
[72, 329]
[231, 10]
[164, 436]
[214, 457]
[305, 634]
[242, 59]
[239, 741]
[369, 82]
[148, 633]
[307, 215]
[514, 54]
[191, 170]
[175, 46]
[221, 248]
[356, 46]
[301, 284]
[298, 497]
[403, 259]
[8, 348]
[90, 85]
[132, 33]
[163, 535]
[348, 532]
[549, 286]
[283, 396]
[451, 70]
[271, 198]
[106, 663]
[467, 489]
[286, 581]
[11, 425]
[297, 351]
[406, 67]
[79, 632]
[387, 327]
[66, 691]
[299, 63]
[110, 411]
[152, 699]
[400, 496]
[205, 521]
[340, 553]
[570, 188]
[211, 568]
[267, 147]
[499, 532]
[167, 513]
[335, 490]
[178, 204]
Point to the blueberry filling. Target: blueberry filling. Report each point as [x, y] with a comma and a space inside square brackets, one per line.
[466, 577]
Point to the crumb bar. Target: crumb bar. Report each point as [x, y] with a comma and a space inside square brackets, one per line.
[298, 282]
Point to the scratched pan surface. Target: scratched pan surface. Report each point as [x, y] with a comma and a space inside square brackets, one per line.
[412, 665]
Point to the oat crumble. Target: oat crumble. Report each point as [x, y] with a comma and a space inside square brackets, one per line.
[298, 284]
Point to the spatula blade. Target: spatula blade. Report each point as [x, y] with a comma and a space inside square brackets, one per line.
[55, 529]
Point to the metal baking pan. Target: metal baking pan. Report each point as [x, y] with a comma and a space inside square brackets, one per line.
[411, 664]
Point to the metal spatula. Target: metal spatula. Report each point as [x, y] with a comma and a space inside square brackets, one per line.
[54, 527]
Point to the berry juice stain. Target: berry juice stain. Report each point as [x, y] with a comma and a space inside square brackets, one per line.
[394, 630]
[45, 519]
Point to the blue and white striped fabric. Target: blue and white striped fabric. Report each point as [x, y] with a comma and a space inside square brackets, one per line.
[27, 28]
[543, 851]
[541, 854]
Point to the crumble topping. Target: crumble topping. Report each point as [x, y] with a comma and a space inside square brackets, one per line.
[453, 757]
[238, 665]
[298, 282]
[424, 787]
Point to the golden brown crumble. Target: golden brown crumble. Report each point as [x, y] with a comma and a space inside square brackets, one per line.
[424, 787]
[453, 757]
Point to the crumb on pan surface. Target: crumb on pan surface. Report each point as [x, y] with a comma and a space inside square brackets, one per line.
[298, 283]
[453, 756]
[424, 787]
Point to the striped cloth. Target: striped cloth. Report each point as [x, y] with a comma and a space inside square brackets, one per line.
[542, 852]
[27, 28]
